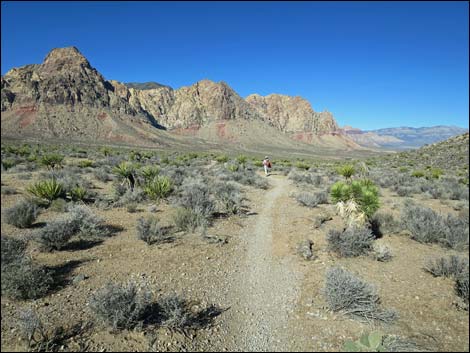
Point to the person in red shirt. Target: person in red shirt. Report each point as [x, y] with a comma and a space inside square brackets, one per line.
[267, 165]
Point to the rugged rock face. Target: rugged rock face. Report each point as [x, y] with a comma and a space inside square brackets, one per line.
[292, 114]
[65, 96]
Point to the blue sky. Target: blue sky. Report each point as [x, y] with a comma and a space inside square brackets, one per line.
[373, 65]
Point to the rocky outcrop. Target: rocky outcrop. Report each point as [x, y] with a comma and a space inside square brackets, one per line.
[292, 114]
[65, 96]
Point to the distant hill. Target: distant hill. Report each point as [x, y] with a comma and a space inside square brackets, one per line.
[399, 138]
[145, 85]
[417, 137]
[452, 153]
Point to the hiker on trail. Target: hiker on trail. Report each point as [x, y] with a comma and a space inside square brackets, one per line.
[267, 165]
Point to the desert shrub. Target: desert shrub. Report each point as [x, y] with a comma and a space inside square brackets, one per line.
[8, 163]
[85, 223]
[158, 188]
[353, 241]
[462, 289]
[13, 249]
[121, 306]
[427, 226]
[188, 220]
[451, 266]
[228, 196]
[382, 253]
[6, 190]
[23, 279]
[150, 231]
[346, 171]
[363, 192]
[102, 175]
[383, 223]
[418, 174]
[305, 177]
[42, 338]
[195, 196]
[131, 208]
[176, 313]
[435, 173]
[22, 215]
[312, 200]
[176, 174]
[47, 189]
[58, 205]
[129, 196]
[304, 249]
[56, 234]
[349, 295]
[52, 160]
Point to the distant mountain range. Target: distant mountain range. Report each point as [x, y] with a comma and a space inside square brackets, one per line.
[402, 137]
[65, 97]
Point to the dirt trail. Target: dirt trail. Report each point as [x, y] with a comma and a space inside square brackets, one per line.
[267, 287]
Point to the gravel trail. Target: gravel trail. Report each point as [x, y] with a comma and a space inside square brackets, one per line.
[266, 286]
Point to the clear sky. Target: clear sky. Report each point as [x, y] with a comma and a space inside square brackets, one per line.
[373, 65]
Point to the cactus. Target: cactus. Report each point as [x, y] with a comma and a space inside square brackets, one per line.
[371, 342]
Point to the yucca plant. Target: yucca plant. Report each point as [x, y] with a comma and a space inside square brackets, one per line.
[363, 192]
[302, 165]
[149, 172]
[126, 171]
[78, 193]
[346, 170]
[158, 188]
[106, 151]
[85, 163]
[48, 190]
[52, 161]
[222, 158]
[232, 167]
[241, 159]
[418, 174]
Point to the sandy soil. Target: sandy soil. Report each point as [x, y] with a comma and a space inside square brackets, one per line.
[271, 298]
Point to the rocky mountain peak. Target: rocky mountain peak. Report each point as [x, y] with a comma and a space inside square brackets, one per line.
[65, 58]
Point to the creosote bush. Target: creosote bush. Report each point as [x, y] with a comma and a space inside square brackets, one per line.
[353, 241]
[451, 266]
[80, 220]
[13, 249]
[427, 226]
[22, 215]
[312, 200]
[23, 279]
[121, 306]
[150, 231]
[349, 295]
[228, 196]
